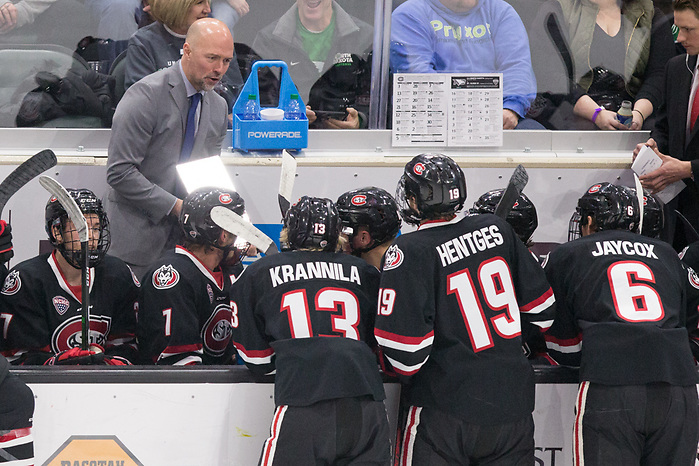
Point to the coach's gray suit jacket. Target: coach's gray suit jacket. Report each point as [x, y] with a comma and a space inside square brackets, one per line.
[144, 150]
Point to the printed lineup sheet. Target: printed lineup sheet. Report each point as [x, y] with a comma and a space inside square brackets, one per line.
[447, 109]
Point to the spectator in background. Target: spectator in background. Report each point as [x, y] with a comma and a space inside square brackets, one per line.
[467, 36]
[590, 55]
[116, 19]
[323, 46]
[119, 19]
[148, 141]
[41, 298]
[16, 15]
[159, 45]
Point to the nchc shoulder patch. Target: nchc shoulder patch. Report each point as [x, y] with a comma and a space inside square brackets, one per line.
[393, 258]
[12, 283]
[61, 304]
[165, 277]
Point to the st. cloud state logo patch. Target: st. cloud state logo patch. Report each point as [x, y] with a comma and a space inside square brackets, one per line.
[12, 283]
[165, 277]
[393, 258]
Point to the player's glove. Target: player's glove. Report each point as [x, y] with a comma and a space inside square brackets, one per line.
[6, 251]
[79, 357]
[76, 357]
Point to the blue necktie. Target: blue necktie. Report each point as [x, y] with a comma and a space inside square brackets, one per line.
[188, 142]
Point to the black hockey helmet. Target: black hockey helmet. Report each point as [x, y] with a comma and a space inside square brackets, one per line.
[56, 216]
[611, 207]
[653, 216]
[432, 185]
[312, 222]
[371, 207]
[195, 218]
[522, 217]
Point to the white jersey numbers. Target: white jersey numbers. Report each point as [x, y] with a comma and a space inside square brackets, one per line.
[635, 300]
[498, 290]
[295, 303]
[387, 298]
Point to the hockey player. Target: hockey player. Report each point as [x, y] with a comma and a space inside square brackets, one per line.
[621, 315]
[309, 314]
[16, 399]
[185, 312]
[371, 215]
[41, 297]
[522, 217]
[653, 216]
[452, 296]
[524, 220]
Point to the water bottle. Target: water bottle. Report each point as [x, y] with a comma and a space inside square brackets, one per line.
[625, 113]
[251, 111]
[293, 109]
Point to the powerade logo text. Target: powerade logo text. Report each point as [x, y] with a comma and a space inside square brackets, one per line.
[274, 134]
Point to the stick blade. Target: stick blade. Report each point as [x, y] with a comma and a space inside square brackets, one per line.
[237, 225]
[518, 181]
[76, 216]
[286, 181]
[639, 195]
[23, 174]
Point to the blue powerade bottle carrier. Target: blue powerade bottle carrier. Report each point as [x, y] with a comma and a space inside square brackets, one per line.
[268, 134]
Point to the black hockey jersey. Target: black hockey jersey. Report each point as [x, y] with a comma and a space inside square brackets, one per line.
[622, 309]
[184, 313]
[310, 315]
[451, 301]
[42, 316]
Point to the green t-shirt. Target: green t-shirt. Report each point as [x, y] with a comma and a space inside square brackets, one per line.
[317, 44]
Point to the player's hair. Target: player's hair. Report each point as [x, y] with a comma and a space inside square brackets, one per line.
[57, 217]
[522, 216]
[172, 13]
[284, 239]
[312, 223]
[611, 207]
[682, 5]
[433, 186]
[373, 208]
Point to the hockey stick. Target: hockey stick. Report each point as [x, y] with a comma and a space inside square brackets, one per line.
[518, 181]
[237, 225]
[76, 216]
[689, 230]
[639, 195]
[28, 170]
[286, 181]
